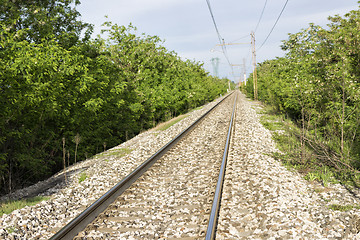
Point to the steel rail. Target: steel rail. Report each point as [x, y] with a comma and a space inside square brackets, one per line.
[215, 208]
[79, 223]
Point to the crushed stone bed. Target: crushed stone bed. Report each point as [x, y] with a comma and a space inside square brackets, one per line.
[264, 200]
[173, 198]
[261, 198]
[104, 170]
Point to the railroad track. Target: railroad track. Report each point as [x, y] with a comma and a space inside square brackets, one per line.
[174, 194]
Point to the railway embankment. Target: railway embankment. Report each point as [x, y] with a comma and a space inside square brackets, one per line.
[262, 199]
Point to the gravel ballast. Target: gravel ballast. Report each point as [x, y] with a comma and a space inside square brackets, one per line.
[261, 198]
[173, 198]
[103, 170]
[264, 200]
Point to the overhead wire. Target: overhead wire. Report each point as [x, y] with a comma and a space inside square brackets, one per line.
[257, 25]
[262, 12]
[214, 22]
[221, 40]
[245, 36]
[282, 10]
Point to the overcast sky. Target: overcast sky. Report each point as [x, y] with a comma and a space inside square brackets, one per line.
[187, 27]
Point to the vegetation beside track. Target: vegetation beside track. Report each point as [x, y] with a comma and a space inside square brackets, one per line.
[315, 89]
[9, 206]
[303, 159]
[65, 96]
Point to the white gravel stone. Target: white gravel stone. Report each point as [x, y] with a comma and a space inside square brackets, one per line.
[104, 171]
[261, 198]
[282, 203]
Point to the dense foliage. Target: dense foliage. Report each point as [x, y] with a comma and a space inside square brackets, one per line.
[60, 88]
[317, 84]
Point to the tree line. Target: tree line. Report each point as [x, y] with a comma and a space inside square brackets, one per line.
[64, 93]
[317, 84]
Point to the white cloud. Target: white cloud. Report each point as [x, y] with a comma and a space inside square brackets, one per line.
[126, 9]
[187, 28]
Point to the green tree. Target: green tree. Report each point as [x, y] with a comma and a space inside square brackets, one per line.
[317, 85]
[48, 19]
[55, 85]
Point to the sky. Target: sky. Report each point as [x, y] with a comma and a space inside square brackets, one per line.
[187, 28]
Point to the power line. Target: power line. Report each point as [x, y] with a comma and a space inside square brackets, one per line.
[262, 12]
[213, 19]
[221, 40]
[274, 25]
[225, 51]
[247, 35]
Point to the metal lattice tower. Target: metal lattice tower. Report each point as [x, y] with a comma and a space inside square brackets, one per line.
[215, 64]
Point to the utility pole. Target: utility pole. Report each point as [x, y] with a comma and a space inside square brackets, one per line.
[254, 65]
[244, 71]
[224, 44]
[237, 65]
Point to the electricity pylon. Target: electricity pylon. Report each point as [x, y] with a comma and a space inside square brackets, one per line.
[215, 64]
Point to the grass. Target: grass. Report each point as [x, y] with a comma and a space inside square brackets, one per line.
[11, 229]
[198, 108]
[319, 190]
[164, 126]
[271, 122]
[343, 208]
[300, 158]
[118, 152]
[82, 177]
[9, 206]
[325, 175]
